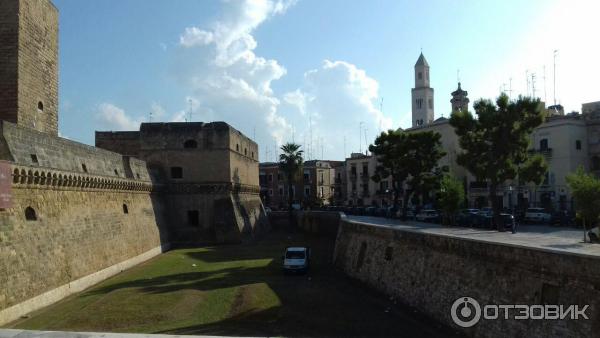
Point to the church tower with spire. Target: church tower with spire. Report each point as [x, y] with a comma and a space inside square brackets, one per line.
[422, 95]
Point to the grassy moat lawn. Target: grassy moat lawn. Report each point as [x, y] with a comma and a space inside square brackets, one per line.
[234, 290]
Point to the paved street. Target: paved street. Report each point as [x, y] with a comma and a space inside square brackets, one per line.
[544, 237]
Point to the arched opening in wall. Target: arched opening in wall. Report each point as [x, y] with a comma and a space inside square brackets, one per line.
[125, 209]
[40, 106]
[116, 172]
[361, 255]
[252, 154]
[237, 147]
[190, 144]
[84, 167]
[30, 214]
[245, 151]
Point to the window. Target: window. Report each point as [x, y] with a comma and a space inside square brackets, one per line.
[252, 154]
[321, 194]
[280, 191]
[544, 144]
[125, 209]
[138, 175]
[116, 172]
[84, 167]
[270, 192]
[270, 178]
[306, 176]
[245, 151]
[190, 144]
[279, 177]
[578, 145]
[420, 76]
[306, 191]
[34, 158]
[237, 147]
[40, 106]
[430, 104]
[193, 218]
[176, 172]
[30, 214]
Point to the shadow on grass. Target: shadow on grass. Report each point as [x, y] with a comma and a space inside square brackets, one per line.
[322, 303]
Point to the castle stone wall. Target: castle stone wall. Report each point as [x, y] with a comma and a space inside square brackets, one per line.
[59, 153]
[430, 272]
[85, 221]
[9, 40]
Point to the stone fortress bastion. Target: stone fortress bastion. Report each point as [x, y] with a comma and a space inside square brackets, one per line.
[72, 215]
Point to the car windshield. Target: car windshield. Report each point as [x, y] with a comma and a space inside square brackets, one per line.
[294, 255]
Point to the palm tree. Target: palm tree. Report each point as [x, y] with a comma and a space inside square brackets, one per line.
[290, 163]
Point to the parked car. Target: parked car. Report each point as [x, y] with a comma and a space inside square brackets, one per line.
[296, 259]
[561, 217]
[268, 210]
[537, 215]
[391, 212]
[370, 211]
[466, 217]
[428, 215]
[483, 219]
[381, 212]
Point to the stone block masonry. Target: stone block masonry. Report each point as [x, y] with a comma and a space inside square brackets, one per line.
[431, 271]
[29, 64]
[79, 215]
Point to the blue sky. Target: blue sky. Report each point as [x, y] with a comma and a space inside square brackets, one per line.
[268, 67]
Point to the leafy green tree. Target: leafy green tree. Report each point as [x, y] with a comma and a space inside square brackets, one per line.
[392, 151]
[407, 157]
[423, 170]
[451, 196]
[586, 191]
[495, 145]
[290, 163]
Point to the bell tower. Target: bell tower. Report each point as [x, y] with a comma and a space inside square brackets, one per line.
[422, 95]
[29, 64]
[459, 100]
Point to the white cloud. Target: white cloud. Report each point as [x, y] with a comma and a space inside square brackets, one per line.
[338, 96]
[224, 75]
[229, 82]
[111, 117]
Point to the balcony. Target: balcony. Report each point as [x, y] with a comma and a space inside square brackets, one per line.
[546, 151]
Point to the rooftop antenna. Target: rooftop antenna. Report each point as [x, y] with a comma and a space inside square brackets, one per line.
[322, 147]
[381, 110]
[190, 101]
[533, 85]
[527, 80]
[150, 117]
[555, 54]
[366, 143]
[545, 96]
[360, 136]
[254, 133]
[309, 153]
[458, 75]
[344, 147]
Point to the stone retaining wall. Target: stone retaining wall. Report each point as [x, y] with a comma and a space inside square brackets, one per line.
[430, 272]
